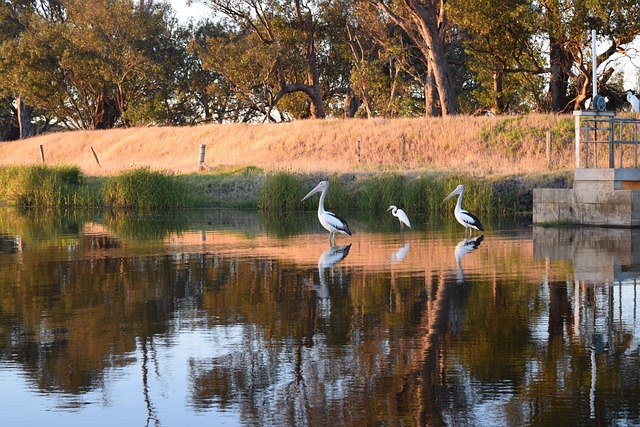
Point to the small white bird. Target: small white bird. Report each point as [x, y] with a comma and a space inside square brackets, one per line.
[467, 219]
[330, 221]
[633, 100]
[402, 217]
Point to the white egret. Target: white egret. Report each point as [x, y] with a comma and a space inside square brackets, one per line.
[402, 217]
[330, 221]
[633, 100]
[467, 219]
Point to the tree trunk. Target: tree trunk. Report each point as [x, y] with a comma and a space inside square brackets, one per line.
[421, 25]
[559, 79]
[425, 14]
[24, 113]
[351, 104]
[313, 76]
[106, 113]
[498, 103]
[430, 109]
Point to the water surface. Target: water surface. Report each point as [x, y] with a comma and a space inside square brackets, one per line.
[229, 318]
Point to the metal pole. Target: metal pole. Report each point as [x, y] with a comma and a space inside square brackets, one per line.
[577, 140]
[594, 66]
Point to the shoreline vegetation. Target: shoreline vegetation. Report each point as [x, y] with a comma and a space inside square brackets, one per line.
[370, 164]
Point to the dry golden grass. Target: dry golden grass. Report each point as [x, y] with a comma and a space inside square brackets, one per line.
[454, 144]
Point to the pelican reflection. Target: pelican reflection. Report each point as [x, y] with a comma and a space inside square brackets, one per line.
[464, 247]
[400, 254]
[328, 259]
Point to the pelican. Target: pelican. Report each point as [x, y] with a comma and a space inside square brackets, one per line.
[633, 100]
[467, 219]
[402, 217]
[330, 221]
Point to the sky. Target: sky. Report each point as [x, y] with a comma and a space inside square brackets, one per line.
[184, 12]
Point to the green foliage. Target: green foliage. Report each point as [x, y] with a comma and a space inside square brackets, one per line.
[379, 192]
[46, 186]
[144, 190]
[282, 191]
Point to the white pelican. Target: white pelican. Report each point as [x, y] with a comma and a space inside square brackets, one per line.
[402, 217]
[467, 219]
[330, 221]
[633, 100]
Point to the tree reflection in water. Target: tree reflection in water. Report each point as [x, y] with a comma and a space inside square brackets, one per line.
[294, 335]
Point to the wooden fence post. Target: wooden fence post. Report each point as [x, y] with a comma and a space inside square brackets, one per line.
[42, 153]
[201, 161]
[548, 150]
[95, 156]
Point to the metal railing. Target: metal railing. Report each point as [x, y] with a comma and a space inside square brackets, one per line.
[608, 140]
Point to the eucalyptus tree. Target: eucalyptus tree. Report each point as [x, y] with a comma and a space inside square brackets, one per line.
[14, 18]
[275, 49]
[424, 22]
[90, 63]
[503, 52]
[567, 24]
[389, 73]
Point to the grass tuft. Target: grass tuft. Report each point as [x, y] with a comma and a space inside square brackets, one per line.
[46, 186]
[144, 190]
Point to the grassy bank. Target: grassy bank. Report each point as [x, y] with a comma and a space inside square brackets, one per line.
[251, 188]
[370, 164]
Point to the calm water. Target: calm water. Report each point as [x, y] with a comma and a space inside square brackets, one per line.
[225, 318]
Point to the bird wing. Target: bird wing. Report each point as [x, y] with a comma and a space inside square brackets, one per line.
[338, 223]
[471, 219]
[402, 216]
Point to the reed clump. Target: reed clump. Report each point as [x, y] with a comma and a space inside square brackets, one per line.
[46, 186]
[143, 189]
[281, 192]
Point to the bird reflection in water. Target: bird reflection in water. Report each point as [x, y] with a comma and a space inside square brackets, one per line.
[464, 247]
[400, 254]
[326, 261]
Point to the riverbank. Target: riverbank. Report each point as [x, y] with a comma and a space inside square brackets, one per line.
[513, 155]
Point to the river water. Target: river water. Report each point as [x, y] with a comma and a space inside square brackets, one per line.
[229, 318]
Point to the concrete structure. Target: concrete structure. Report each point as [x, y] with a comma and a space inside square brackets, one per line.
[603, 196]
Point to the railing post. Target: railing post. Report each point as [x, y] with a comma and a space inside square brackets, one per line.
[612, 135]
[635, 145]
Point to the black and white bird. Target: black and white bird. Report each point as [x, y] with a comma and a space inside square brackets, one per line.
[330, 221]
[633, 100]
[467, 219]
[401, 215]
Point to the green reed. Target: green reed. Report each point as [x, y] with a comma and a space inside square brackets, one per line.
[46, 186]
[143, 189]
[282, 191]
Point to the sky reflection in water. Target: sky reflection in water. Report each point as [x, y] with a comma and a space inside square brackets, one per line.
[226, 318]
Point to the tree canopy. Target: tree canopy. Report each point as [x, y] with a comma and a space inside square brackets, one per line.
[99, 64]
